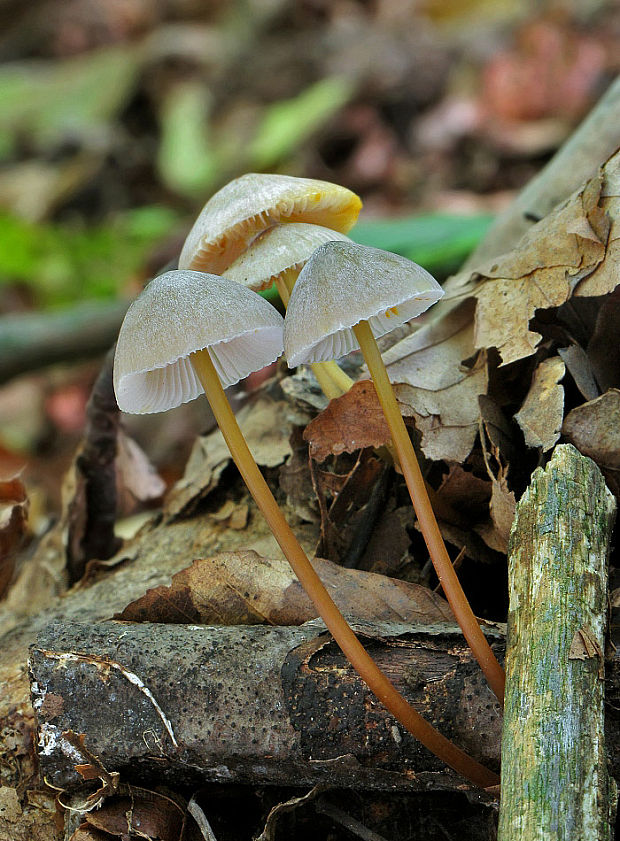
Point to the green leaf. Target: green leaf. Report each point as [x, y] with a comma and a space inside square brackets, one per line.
[61, 263]
[439, 242]
[49, 101]
[186, 160]
[286, 125]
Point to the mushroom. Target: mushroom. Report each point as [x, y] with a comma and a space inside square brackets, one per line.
[345, 296]
[246, 206]
[277, 255]
[189, 332]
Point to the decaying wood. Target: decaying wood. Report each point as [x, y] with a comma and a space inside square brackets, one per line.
[253, 704]
[555, 782]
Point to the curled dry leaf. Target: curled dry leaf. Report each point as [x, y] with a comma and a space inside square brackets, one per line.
[540, 417]
[266, 426]
[594, 429]
[349, 423]
[13, 523]
[574, 251]
[146, 813]
[434, 387]
[243, 588]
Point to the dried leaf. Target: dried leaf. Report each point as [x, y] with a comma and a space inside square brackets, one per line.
[349, 423]
[434, 387]
[13, 524]
[594, 429]
[542, 412]
[463, 492]
[580, 368]
[266, 426]
[137, 474]
[604, 345]
[243, 588]
[502, 508]
[145, 814]
[573, 251]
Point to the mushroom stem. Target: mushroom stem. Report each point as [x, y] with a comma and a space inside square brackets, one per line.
[426, 518]
[453, 756]
[330, 376]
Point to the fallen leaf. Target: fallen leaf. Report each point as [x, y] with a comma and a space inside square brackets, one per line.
[540, 417]
[243, 588]
[266, 426]
[135, 471]
[604, 346]
[349, 423]
[580, 368]
[296, 482]
[573, 251]
[594, 429]
[13, 525]
[432, 384]
[144, 814]
[464, 492]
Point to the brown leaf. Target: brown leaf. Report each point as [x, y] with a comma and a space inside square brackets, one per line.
[540, 417]
[266, 426]
[143, 814]
[573, 251]
[594, 429]
[13, 524]
[434, 387]
[136, 473]
[349, 423]
[243, 588]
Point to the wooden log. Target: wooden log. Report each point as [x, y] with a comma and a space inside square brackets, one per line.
[555, 783]
[254, 704]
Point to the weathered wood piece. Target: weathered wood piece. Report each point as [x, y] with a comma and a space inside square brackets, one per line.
[254, 704]
[555, 783]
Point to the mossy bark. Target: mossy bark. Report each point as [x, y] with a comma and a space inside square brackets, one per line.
[555, 783]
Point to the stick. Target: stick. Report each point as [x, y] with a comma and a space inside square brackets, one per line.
[555, 783]
[255, 704]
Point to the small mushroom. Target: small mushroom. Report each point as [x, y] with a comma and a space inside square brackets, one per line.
[277, 255]
[345, 296]
[185, 332]
[246, 206]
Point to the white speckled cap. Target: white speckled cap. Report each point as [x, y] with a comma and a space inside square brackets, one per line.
[277, 250]
[235, 214]
[178, 314]
[343, 284]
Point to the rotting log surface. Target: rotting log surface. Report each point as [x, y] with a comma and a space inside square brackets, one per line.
[255, 704]
[555, 782]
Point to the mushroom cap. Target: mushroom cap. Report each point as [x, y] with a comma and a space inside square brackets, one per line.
[343, 284]
[178, 314]
[277, 250]
[255, 201]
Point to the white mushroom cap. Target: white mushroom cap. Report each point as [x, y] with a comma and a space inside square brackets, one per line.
[277, 250]
[249, 204]
[178, 314]
[343, 284]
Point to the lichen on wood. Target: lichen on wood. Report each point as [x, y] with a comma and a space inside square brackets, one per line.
[555, 783]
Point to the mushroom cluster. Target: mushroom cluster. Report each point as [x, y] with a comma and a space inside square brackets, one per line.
[261, 229]
[194, 330]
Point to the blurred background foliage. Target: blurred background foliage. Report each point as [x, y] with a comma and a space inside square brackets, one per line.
[119, 118]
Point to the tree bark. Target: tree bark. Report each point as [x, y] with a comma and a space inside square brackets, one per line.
[555, 782]
[254, 704]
